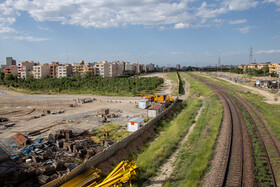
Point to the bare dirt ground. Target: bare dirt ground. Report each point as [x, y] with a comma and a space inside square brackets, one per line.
[168, 85]
[268, 96]
[19, 108]
[167, 168]
[82, 116]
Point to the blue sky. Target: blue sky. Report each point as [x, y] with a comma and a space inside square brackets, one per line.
[164, 32]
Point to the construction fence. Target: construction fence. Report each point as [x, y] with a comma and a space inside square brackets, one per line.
[110, 151]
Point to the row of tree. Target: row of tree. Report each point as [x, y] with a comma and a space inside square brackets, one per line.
[86, 84]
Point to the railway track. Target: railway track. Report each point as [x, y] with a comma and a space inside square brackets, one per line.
[232, 174]
[264, 135]
[231, 171]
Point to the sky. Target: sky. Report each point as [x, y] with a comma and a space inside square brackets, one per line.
[163, 32]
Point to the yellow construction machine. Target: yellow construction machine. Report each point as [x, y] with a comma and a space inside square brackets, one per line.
[157, 97]
[123, 173]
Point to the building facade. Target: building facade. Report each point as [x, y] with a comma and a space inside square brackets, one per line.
[11, 70]
[64, 70]
[103, 69]
[10, 61]
[41, 71]
[54, 69]
[81, 68]
[25, 68]
[274, 68]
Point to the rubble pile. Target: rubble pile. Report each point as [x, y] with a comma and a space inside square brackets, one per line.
[232, 77]
[43, 160]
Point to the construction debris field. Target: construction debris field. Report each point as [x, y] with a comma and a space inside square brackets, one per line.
[46, 119]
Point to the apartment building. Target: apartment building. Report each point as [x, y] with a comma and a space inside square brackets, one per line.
[54, 69]
[274, 68]
[103, 69]
[11, 70]
[64, 70]
[129, 66]
[25, 68]
[136, 67]
[150, 67]
[41, 71]
[10, 61]
[81, 68]
[262, 65]
[120, 67]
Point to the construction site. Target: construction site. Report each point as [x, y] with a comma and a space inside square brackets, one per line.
[217, 130]
[45, 137]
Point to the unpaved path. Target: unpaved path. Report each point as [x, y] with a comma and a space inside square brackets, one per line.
[187, 90]
[167, 85]
[167, 168]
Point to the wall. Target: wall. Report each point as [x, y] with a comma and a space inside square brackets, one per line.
[110, 151]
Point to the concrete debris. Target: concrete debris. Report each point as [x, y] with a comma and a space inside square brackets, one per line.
[2, 119]
[48, 159]
[20, 138]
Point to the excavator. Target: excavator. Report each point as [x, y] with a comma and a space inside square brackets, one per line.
[157, 97]
[123, 173]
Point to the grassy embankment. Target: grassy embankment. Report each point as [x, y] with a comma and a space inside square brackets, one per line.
[169, 135]
[155, 153]
[193, 159]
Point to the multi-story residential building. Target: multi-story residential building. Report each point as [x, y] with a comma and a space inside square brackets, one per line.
[10, 61]
[54, 69]
[142, 68]
[178, 66]
[262, 65]
[41, 70]
[120, 67]
[136, 67]
[113, 70]
[150, 67]
[103, 69]
[274, 68]
[25, 68]
[81, 68]
[64, 70]
[129, 66]
[11, 70]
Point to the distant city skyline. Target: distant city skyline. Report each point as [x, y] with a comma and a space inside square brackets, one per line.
[161, 32]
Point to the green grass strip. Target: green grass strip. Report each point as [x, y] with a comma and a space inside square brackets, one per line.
[194, 156]
[159, 150]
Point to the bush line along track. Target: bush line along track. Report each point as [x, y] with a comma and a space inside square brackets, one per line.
[269, 140]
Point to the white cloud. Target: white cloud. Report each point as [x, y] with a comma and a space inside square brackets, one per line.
[206, 11]
[30, 38]
[181, 26]
[241, 4]
[277, 2]
[245, 29]
[272, 51]
[45, 29]
[275, 37]
[218, 21]
[8, 15]
[120, 13]
[238, 21]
